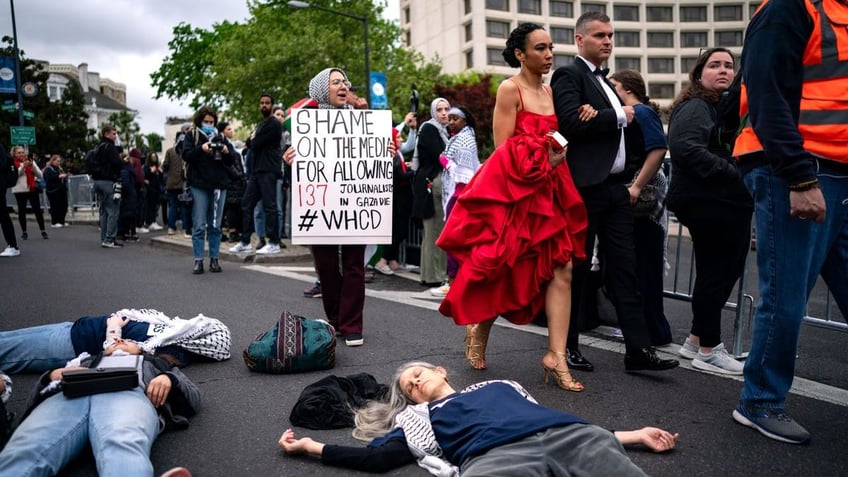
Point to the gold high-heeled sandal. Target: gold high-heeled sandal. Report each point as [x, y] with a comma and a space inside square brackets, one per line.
[475, 352]
[563, 378]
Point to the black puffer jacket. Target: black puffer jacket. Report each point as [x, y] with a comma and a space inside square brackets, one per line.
[204, 171]
[702, 170]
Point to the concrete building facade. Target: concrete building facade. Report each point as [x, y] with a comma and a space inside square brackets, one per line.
[661, 39]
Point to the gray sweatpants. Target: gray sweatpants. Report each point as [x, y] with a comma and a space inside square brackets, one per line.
[575, 450]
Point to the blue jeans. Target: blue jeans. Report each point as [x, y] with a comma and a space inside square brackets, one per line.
[259, 214]
[109, 210]
[120, 426]
[174, 206]
[36, 349]
[207, 213]
[790, 255]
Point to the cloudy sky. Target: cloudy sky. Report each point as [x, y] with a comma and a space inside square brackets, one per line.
[123, 40]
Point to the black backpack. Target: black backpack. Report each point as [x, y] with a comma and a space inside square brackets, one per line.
[95, 163]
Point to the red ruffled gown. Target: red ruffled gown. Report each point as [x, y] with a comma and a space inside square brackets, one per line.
[514, 223]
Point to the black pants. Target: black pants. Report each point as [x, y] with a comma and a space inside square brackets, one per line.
[650, 260]
[611, 220]
[6, 222]
[721, 236]
[32, 197]
[262, 186]
[58, 206]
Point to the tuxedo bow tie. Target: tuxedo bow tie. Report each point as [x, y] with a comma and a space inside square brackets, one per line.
[601, 71]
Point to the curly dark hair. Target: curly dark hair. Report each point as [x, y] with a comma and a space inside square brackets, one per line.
[695, 88]
[202, 113]
[518, 39]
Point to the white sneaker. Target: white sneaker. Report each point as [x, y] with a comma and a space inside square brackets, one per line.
[57, 226]
[241, 248]
[141, 230]
[688, 350]
[441, 291]
[171, 231]
[268, 249]
[154, 227]
[718, 361]
[10, 252]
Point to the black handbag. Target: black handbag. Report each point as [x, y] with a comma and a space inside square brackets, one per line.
[111, 374]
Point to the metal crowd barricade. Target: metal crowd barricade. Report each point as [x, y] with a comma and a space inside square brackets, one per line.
[81, 194]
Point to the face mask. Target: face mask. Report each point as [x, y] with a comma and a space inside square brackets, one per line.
[207, 129]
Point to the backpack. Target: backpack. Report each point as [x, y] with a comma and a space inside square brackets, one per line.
[95, 164]
[294, 344]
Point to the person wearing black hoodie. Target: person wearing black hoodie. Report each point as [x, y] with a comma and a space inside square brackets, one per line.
[267, 155]
[7, 171]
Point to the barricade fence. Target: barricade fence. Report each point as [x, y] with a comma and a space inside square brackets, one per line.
[81, 193]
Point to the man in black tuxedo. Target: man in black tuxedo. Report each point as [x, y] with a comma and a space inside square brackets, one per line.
[596, 158]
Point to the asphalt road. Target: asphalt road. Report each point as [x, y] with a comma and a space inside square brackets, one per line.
[244, 413]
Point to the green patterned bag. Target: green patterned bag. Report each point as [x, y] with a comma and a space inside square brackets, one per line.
[295, 344]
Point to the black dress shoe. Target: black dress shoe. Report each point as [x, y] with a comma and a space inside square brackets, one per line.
[214, 267]
[198, 267]
[576, 361]
[646, 359]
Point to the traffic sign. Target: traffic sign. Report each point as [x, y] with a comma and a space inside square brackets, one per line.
[23, 135]
[9, 107]
[29, 114]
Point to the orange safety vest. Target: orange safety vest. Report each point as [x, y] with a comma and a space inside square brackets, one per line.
[823, 121]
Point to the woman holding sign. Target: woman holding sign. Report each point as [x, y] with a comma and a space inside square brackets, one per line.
[343, 288]
[520, 223]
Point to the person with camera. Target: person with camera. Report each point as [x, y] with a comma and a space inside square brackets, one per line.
[105, 169]
[209, 157]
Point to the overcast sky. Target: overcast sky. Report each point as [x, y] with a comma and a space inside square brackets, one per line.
[123, 40]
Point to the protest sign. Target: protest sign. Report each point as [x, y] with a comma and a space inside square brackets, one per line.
[341, 177]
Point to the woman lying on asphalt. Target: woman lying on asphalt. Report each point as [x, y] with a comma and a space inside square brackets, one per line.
[490, 428]
[41, 348]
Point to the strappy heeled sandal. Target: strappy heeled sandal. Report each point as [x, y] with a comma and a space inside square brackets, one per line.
[475, 347]
[563, 377]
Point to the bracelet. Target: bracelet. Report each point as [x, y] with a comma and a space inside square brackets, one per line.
[805, 186]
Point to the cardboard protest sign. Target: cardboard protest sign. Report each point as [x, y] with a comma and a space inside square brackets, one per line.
[341, 177]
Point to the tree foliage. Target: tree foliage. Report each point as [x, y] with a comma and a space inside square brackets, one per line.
[128, 129]
[60, 126]
[474, 92]
[279, 49]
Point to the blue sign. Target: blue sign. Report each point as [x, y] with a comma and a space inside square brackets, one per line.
[7, 74]
[379, 100]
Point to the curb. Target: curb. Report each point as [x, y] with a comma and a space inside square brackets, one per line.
[292, 253]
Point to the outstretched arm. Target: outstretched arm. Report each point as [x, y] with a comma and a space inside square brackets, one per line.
[389, 454]
[656, 439]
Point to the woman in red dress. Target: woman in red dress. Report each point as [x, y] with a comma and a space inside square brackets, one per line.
[520, 222]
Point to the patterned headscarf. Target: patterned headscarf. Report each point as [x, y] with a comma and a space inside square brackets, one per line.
[319, 88]
[443, 129]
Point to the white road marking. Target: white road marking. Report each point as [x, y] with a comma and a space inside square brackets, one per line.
[423, 299]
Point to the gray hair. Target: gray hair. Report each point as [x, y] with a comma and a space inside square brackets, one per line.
[377, 418]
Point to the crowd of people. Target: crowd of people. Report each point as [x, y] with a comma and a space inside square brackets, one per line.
[575, 182]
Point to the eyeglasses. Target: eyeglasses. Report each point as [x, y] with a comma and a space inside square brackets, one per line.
[339, 82]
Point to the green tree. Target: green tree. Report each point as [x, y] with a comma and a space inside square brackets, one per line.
[275, 51]
[150, 142]
[124, 122]
[60, 126]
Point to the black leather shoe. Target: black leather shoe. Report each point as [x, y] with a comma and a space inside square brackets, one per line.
[646, 359]
[214, 267]
[576, 361]
[198, 267]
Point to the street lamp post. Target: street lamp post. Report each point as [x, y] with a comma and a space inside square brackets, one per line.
[364, 20]
[18, 66]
